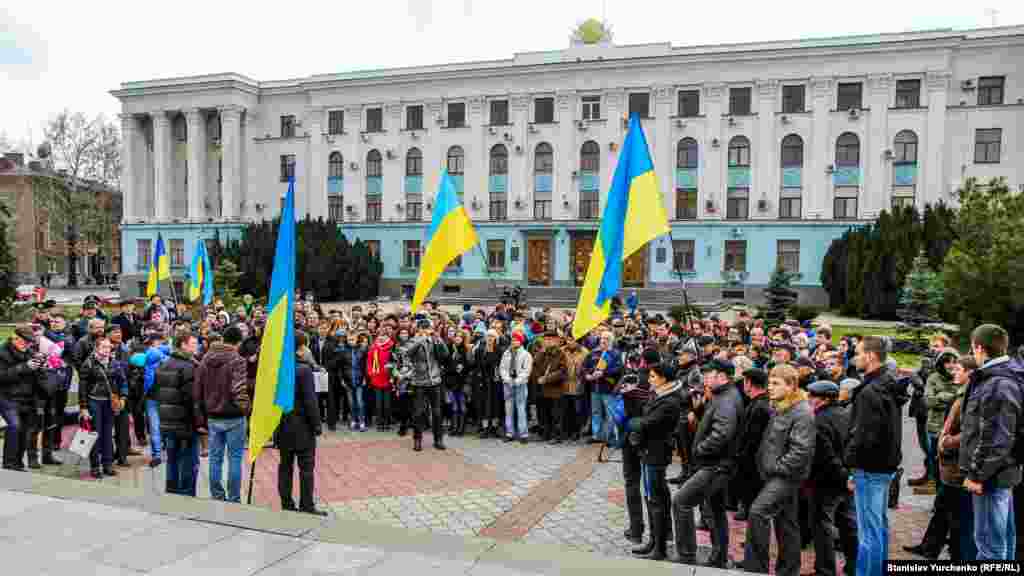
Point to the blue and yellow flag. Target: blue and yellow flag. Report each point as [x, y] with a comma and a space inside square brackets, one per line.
[451, 235]
[275, 377]
[200, 276]
[159, 267]
[633, 216]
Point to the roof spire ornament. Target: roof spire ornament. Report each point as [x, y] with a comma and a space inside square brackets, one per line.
[590, 32]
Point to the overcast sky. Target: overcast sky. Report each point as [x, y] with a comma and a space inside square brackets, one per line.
[62, 53]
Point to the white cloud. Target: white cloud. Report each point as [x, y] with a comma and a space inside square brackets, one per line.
[81, 50]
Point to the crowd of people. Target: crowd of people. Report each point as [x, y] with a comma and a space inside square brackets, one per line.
[785, 426]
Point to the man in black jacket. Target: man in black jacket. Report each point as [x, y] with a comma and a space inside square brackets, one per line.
[784, 461]
[296, 439]
[715, 446]
[20, 375]
[651, 435]
[175, 379]
[874, 452]
[757, 413]
[831, 503]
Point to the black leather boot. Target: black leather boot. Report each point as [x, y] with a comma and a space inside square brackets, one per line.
[417, 444]
[635, 510]
[648, 547]
[658, 527]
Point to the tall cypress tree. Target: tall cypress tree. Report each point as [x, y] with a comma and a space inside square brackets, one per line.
[780, 297]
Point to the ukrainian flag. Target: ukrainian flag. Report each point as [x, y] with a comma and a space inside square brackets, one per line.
[200, 283]
[159, 267]
[451, 235]
[275, 377]
[633, 216]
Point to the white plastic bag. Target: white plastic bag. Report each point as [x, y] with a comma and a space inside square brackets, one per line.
[320, 380]
[83, 442]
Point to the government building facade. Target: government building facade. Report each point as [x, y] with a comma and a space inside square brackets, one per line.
[765, 153]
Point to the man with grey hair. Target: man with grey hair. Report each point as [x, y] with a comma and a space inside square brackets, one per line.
[601, 370]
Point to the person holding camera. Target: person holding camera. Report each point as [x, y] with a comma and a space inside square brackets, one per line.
[21, 371]
[516, 365]
[651, 436]
[426, 355]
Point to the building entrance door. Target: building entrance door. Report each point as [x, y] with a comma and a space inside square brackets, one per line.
[582, 248]
[538, 261]
[634, 269]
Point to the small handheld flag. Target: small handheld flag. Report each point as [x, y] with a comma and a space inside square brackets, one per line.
[159, 267]
[451, 234]
[633, 216]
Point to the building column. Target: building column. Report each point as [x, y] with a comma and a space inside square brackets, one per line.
[875, 187]
[129, 134]
[196, 163]
[932, 186]
[477, 163]
[162, 183]
[316, 185]
[817, 185]
[567, 160]
[520, 179]
[663, 153]
[231, 141]
[713, 159]
[764, 178]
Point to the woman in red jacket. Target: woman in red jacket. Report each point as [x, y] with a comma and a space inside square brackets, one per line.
[379, 373]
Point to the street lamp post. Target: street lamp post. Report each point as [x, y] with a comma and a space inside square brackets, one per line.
[72, 255]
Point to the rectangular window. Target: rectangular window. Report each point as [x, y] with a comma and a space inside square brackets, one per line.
[788, 255]
[373, 208]
[845, 208]
[373, 247]
[374, 119]
[499, 112]
[335, 122]
[739, 101]
[498, 207]
[736, 255]
[544, 110]
[335, 210]
[143, 250]
[456, 114]
[987, 145]
[689, 103]
[737, 204]
[413, 207]
[496, 255]
[513, 254]
[849, 96]
[542, 209]
[287, 126]
[414, 117]
[683, 255]
[589, 205]
[591, 108]
[640, 104]
[686, 204]
[177, 246]
[901, 202]
[790, 208]
[908, 93]
[287, 167]
[412, 254]
[990, 90]
[793, 98]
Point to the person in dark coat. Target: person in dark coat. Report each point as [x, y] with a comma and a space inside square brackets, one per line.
[757, 413]
[101, 380]
[176, 378]
[296, 439]
[784, 462]
[21, 372]
[636, 391]
[832, 506]
[715, 446]
[651, 434]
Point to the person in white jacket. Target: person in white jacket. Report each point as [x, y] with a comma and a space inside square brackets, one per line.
[515, 368]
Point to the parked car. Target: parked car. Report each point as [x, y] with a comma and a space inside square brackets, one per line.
[27, 293]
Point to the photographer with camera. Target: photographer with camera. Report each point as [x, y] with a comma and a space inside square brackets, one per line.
[21, 374]
[426, 355]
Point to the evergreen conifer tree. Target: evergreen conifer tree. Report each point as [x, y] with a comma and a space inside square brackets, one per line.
[780, 297]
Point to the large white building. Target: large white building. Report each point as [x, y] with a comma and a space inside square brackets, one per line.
[765, 152]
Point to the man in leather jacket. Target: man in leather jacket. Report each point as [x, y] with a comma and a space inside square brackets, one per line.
[426, 355]
[715, 446]
[21, 373]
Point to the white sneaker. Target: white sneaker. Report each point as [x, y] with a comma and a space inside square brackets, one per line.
[353, 426]
[362, 426]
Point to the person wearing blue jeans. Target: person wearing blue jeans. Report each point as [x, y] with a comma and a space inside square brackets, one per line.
[516, 424]
[229, 435]
[515, 367]
[991, 414]
[156, 443]
[602, 423]
[602, 370]
[182, 463]
[873, 453]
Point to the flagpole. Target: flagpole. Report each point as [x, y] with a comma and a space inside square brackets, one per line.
[487, 267]
[252, 480]
[682, 284]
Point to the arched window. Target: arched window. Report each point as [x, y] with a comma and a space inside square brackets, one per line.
[543, 165]
[335, 165]
[739, 151]
[590, 157]
[904, 170]
[791, 194]
[373, 164]
[848, 150]
[456, 161]
[905, 149]
[792, 151]
[499, 160]
[498, 183]
[686, 153]
[414, 162]
[374, 186]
